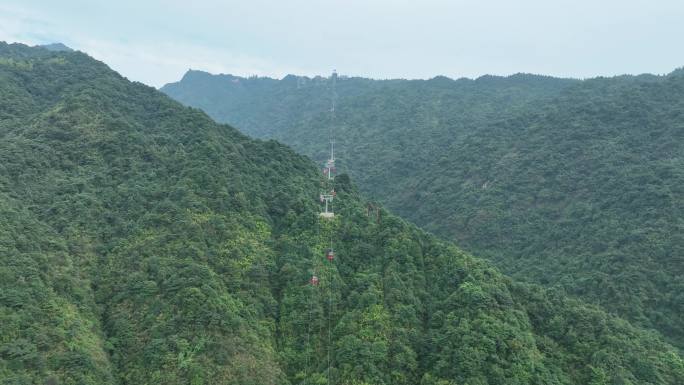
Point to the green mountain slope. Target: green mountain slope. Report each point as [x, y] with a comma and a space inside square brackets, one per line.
[560, 182]
[267, 108]
[143, 243]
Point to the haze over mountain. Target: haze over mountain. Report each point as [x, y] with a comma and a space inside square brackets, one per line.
[55, 47]
[567, 183]
[141, 242]
[155, 41]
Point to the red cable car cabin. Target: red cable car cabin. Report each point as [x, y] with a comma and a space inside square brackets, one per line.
[330, 254]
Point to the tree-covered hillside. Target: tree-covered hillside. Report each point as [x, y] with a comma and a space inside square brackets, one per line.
[574, 184]
[268, 108]
[142, 243]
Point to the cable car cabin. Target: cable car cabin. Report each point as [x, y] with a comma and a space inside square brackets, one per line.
[326, 171]
[327, 215]
[330, 254]
[314, 281]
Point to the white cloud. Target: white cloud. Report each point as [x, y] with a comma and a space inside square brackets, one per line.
[155, 41]
[19, 25]
[147, 61]
[158, 64]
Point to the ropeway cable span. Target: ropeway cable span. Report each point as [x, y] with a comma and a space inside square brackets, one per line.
[327, 214]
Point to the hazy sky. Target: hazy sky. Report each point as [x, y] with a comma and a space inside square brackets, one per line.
[157, 41]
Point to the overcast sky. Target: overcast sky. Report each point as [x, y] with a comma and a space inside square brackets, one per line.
[156, 41]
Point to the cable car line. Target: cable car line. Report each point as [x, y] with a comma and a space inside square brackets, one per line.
[326, 198]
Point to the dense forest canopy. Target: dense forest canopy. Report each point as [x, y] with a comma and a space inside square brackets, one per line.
[143, 243]
[567, 183]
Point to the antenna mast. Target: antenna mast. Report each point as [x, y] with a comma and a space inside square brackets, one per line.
[330, 164]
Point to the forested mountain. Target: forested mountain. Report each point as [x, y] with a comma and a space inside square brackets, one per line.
[143, 243]
[266, 108]
[572, 184]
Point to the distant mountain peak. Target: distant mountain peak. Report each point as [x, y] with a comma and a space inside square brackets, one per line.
[678, 72]
[56, 47]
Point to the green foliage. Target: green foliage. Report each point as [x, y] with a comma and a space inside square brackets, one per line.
[142, 243]
[571, 184]
[48, 322]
